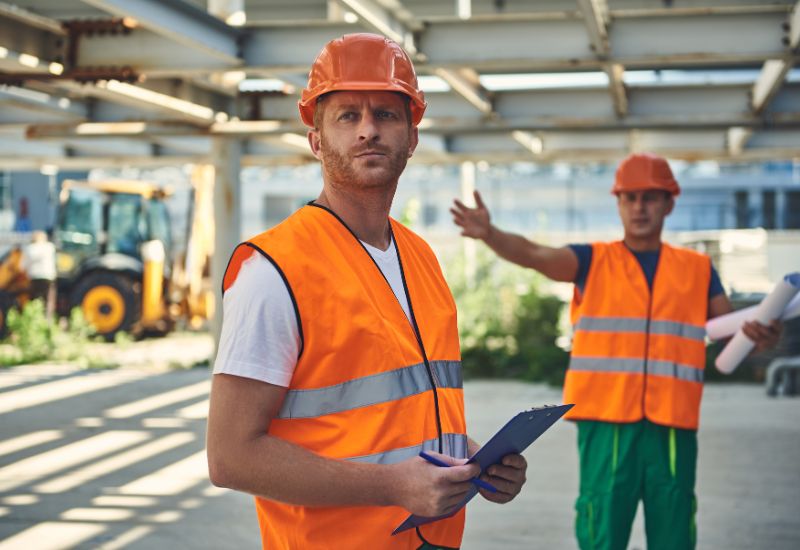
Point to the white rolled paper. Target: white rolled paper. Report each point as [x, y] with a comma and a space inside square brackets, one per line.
[726, 326]
[770, 308]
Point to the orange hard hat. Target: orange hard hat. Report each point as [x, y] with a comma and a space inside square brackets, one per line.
[361, 61]
[642, 171]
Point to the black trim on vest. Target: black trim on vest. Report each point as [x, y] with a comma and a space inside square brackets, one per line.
[288, 288]
[391, 234]
[419, 340]
[414, 325]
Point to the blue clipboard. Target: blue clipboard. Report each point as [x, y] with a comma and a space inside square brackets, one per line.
[513, 438]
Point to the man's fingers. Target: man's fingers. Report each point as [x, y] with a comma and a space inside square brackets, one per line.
[515, 461]
[512, 467]
[763, 336]
[750, 331]
[757, 331]
[478, 199]
[460, 205]
[506, 491]
[498, 497]
[506, 475]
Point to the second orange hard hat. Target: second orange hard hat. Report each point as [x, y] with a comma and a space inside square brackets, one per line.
[642, 171]
[361, 62]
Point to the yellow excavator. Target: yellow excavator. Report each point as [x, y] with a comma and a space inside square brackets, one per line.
[116, 258]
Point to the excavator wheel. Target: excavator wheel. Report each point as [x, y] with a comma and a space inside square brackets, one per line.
[109, 301]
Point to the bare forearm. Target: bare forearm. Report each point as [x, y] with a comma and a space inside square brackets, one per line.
[559, 264]
[276, 469]
[242, 456]
[512, 247]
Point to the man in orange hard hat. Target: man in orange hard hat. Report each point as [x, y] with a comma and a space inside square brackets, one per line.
[636, 368]
[339, 358]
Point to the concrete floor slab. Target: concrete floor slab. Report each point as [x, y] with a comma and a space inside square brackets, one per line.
[121, 465]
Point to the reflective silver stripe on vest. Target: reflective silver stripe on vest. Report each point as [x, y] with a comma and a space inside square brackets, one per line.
[612, 324]
[683, 330]
[675, 370]
[636, 366]
[603, 364]
[447, 374]
[454, 445]
[638, 324]
[370, 390]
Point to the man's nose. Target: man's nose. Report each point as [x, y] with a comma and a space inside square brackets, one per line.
[368, 127]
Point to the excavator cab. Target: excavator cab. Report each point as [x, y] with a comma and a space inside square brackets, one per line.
[101, 230]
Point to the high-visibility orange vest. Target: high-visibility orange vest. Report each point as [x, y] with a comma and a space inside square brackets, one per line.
[638, 353]
[368, 386]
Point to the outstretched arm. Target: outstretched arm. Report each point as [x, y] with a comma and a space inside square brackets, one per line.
[243, 456]
[559, 264]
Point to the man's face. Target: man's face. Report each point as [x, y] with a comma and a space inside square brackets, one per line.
[643, 212]
[364, 139]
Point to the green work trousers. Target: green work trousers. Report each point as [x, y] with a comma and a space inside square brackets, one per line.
[621, 464]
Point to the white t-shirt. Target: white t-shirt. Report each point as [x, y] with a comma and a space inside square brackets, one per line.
[39, 260]
[260, 338]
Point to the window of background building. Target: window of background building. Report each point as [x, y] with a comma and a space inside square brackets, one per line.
[742, 210]
[792, 213]
[768, 218]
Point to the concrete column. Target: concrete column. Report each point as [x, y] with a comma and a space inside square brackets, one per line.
[470, 245]
[226, 158]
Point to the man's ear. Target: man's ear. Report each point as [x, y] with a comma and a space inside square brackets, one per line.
[413, 141]
[314, 140]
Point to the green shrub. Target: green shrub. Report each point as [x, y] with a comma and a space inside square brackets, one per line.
[34, 337]
[31, 332]
[508, 329]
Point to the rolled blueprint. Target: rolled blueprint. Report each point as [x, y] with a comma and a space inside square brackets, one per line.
[770, 308]
[726, 326]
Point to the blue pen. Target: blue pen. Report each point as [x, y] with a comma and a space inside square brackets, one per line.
[477, 481]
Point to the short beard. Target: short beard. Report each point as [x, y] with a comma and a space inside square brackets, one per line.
[340, 167]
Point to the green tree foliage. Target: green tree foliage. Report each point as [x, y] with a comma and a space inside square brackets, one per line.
[508, 328]
[32, 332]
[34, 338]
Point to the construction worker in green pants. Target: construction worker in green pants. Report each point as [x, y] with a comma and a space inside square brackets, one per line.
[636, 368]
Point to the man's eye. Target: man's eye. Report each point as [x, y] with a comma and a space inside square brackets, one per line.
[347, 116]
[386, 114]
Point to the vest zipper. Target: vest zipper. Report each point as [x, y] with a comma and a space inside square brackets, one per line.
[650, 290]
[646, 349]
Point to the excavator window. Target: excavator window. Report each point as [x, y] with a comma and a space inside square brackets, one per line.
[81, 223]
[126, 226]
[158, 221]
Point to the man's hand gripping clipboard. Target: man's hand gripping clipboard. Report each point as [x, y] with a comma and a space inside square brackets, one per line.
[513, 438]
